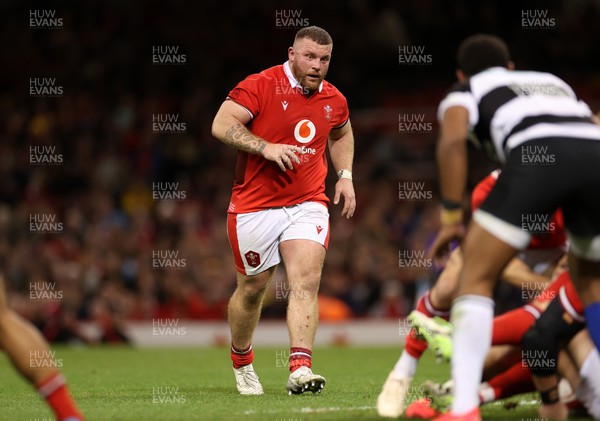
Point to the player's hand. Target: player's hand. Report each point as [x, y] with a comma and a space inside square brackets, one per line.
[345, 188]
[282, 155]
[447, 234]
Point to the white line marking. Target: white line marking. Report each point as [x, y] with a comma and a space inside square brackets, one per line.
[307, 410]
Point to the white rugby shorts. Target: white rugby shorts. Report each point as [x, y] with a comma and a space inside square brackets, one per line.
[255, 236]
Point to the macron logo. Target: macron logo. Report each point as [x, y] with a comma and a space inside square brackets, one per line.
[284, 104]
[319, 229]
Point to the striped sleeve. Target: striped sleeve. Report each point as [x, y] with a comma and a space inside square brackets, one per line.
[460, 96]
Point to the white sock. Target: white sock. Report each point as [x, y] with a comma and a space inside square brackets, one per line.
[406, 366]
[472, 319]
[486, 393]
[589, 389]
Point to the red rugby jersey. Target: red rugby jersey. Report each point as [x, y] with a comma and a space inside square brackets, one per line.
[569, 299]
[543, 300]
[282, 114]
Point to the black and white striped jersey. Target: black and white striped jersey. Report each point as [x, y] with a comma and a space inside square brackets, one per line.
[509, 107]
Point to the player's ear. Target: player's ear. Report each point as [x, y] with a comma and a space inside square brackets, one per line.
[460, 75]
[290, 53]
[511, 65]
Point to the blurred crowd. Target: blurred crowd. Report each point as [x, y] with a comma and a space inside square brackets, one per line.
[117, 252]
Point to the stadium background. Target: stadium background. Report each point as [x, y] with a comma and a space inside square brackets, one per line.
[101, 258]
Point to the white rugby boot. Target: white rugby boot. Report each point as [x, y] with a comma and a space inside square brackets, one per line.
[247, 381]
[392, 399]
[304, 380]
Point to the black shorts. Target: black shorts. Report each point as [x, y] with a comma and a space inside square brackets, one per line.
[539, 177]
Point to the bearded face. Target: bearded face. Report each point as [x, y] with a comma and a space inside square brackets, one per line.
[309, 62]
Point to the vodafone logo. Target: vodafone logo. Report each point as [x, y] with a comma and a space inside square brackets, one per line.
[305, 131]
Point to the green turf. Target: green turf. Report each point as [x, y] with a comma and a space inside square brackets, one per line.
[119, 384]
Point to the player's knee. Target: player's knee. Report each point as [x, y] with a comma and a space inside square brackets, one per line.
[308, 283]
[540, 352]
[306, 278]
[313, 281]
[253, 289]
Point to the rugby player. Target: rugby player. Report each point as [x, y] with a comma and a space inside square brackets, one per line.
[535, 125]
[30, 354]
[561, 321]
[528, 268]
[281, 121]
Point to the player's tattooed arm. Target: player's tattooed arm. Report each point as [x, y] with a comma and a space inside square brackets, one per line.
[229, 126]
[239, 137]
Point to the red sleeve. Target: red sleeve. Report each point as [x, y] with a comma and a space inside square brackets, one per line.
[543, 299]
[482, 189]
[246, 94]
[344, 114]
[559, 220]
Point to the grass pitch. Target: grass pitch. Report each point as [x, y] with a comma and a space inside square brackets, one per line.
[126, 383]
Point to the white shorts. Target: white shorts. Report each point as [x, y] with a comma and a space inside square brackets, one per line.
[255, 236]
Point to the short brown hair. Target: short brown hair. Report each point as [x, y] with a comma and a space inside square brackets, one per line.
[318, 35]
[481, 51]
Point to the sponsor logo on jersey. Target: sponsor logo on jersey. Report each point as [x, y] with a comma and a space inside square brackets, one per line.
[308, 151]
[305, 131]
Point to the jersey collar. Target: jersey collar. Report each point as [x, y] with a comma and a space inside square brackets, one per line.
[288, 72]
